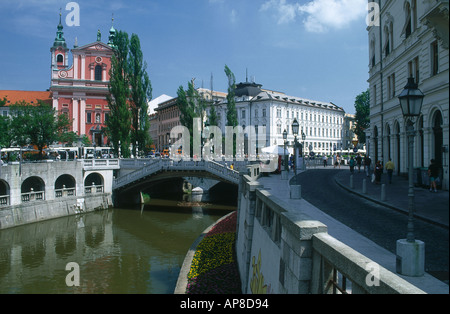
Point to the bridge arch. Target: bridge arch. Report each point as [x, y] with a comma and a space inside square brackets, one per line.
[94, 183]
[33, 188]
[65, 185]
[94, 178]
[35, 184]
[4, 193]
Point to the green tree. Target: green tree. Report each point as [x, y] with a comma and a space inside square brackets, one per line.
[231, 103]
[141, 93]
[119, 120]
[213, 119]
[362, 116]
[39, 125]
[5, 133]
[190, 106]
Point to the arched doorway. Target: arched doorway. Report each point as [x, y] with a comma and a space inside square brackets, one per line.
[421, 143]
[388, 142]
[375, 141]
[396, 158]
[438, 137]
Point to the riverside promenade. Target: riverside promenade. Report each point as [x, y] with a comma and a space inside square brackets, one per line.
[427, 283]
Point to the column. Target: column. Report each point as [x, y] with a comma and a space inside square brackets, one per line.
[104, 73]
[75, 114]
[83, 67]
[55, 101]
[75, 67]
[82, 117]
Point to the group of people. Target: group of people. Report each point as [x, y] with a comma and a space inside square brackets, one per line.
[433, 170]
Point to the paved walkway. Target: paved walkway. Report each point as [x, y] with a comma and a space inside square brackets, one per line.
[280, 189]
[429, 206]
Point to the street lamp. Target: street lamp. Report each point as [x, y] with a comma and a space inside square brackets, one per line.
[285, 156]
[410, 253]
[295, 127]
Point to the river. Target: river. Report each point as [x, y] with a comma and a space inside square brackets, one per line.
[126, 250]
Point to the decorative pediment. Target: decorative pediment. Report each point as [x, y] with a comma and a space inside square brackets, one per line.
[97, 46]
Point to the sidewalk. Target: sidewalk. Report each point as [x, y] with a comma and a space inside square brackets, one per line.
[280, 188]
[429, 206]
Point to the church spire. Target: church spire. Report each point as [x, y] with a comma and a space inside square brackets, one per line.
[60, 40]
[112, 33]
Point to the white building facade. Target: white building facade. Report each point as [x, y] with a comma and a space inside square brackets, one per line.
[321, 122]
[411, 40]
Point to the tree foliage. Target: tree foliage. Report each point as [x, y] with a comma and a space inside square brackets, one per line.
[362, 116]
[231, 103]
[141, 92]
[129, 92]
[119, 121]
[38, 125]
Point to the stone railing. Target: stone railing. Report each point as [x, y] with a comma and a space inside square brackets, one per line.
[33, 196]
[4, 200]
[65, 192]
[98, 164]
[282, 250]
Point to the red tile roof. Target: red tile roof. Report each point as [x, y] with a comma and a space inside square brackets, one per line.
[30, 97]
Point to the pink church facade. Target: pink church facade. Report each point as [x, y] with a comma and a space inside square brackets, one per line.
[79, 90]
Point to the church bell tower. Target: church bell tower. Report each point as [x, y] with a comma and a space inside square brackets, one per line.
[59, 50]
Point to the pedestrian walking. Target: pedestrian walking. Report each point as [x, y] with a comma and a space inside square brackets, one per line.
[352, 164]
[390, 169]
[325, 160]
[378, 172]
[338, 161]
[433, 173]
[367, 162]
[358, 162]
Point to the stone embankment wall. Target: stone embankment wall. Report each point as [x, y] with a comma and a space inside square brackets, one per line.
[16, 215]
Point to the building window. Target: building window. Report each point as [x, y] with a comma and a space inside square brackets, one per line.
[278, 113]
[434, 58]
[391, 86]
[98, 72]
[88, 117]
[59, 58]
[407, 28]
[278, 128]
[413, 69]
[264, 113]
[243, 114]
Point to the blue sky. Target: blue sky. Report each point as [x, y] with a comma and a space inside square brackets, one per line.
[316, 49]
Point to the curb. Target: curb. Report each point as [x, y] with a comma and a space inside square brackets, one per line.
[425, 219]
[182, 281]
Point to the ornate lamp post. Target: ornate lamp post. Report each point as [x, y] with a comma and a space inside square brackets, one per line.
[295, 127]
[410, 252]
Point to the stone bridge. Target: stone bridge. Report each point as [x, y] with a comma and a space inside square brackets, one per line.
[139, 175]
